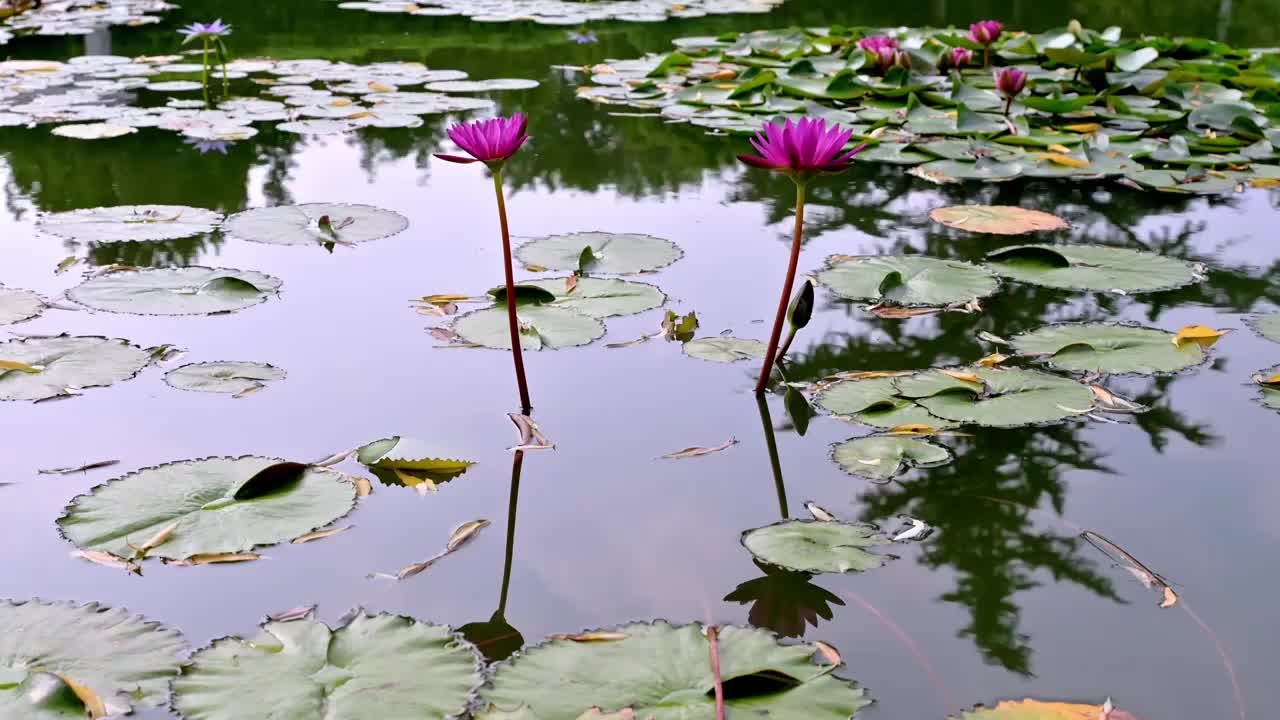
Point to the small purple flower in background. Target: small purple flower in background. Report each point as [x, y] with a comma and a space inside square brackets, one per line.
[489, 141]
[586, 37]
[801, 150]
[207, 146]
[985, 33]
[875, 42]
[959, 57]
[1010, 82]
[204, 31]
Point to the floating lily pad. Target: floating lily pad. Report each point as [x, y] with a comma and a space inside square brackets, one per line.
[18, 305]
[724, 349]
[612, 253]
[175, 291]
[1268, 326]
[214, 507]
[130, 222]
[563, 677]
[479, 86]
[409, 462]
[881, 458]
[63, 365]
[997, 219]
[301, 224]
[222, 376]
[1109, 348]
[541, 327]
[371, 667]
[93, 131]
[875, 401]
[1093, 267]
[1012, 398]
[816, 546]
[906, 279]
[48, 648]
[601, 298]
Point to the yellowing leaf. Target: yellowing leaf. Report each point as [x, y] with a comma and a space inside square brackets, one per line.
[1083, 128]
[1061, 149]
[320, 534]
[1199, 334]
[998, 219]
[443, 299]
[341, 102]
[156, 540]
[535, 268]
[413, 481]
[993, 360]
[870, 374]
[376, 86]
[106, 559]
[1265, 182]
[1066, 160]
[829, 653]
[8, 365]
[962, 376]
[911, 429]
[723, 75]
[93, 704]
[215, 558]
[1263, 380]
[1037, 710]
[597, 636]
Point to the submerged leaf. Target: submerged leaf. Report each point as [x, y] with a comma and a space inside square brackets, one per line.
[699, 451]
[817, 546]
[724, 349]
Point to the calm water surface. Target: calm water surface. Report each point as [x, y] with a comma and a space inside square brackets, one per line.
[1001, 601]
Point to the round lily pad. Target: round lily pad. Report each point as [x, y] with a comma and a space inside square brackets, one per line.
[371, 667]
[302, 224]
[906, 279]
[93, 131]
[816, 546]
[610, 253]
[479, 86]
[130, 222]
[18, 305]
[175, 291]
[44, 367]
[1093, 267]
[214, 505]
[48, 648]
[1012, 398]
[564, 678]
[875, 401]
[724, 349]
[222, 376]
[1109, 348]
[541, 327]
[601, 297]
[996, 219]
[1268, 326]
[881, 458]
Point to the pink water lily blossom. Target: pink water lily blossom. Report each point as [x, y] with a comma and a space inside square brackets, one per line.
[204, 31]
[884, 57]
[959, 57]
[875, 42]
[1010, 82]
[985, 32]
[491, 142]
[802, 149]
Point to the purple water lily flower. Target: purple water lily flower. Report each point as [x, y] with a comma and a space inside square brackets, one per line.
[875, 42]
[802, 149]
[207, 146]
[204, 31]
[489, 141]
[985, 32]
[959, 57]
[586, 37]
[1010, 82]
[884, 57]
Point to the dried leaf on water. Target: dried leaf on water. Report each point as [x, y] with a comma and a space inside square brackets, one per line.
[917, 530]
[106, 559]
[700, 451]
[464, 533]
[461, 535]
[898, 312]
[320, 534]
[248, 391]
[1198, 334]
[993, 359]
[1108, 401]
[298, 613]
[14, 365]
[335, 458]
[828, 653]
[215, 558]
[161, 537]
[82, 468]
[818, 512]
[531, 437]
[597, 636]
[1002, 219]
[1145, 575]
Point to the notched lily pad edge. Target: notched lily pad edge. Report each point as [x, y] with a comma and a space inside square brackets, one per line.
[1199, 270]
[907, 463]
[1047, 361]
[283, 373]
[27, 338]
[267, 293]
[742, 540]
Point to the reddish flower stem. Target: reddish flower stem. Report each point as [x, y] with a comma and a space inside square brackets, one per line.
[516, 351]
[771, 355]
[715, 671]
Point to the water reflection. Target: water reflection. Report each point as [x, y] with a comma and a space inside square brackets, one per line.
[496, 638]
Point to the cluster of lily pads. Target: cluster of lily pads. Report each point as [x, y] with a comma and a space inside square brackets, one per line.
[1268, 380]
[104, 96]
[77, 17]
[564, 12]
[1155, 113]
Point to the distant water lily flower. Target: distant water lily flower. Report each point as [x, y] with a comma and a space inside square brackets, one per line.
[873, 43]
[204, 31]
[489, 141]
[985, 33]
[586, 37]
[493, 142]
[884, 57]
[207, 146]
[1010, 82]
[802, 150]
[959, 57]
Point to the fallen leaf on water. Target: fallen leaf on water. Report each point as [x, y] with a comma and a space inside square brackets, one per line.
[1168, 597]
[597, 636]
[464, 533]
[364, 488]
[1108, 401]
[422, 484]
[1060, 149]
[630, 343]
[376, 86]
[1199, 334]
[897, 312]
[917, 530]
[334, 459]
[1083, 128]
[829, 653]
[531, 437]
[66, 265]
[993, 360]
[1040, 710]
[442, 299]
[1264, 380]
[104, 558]
[869, 374]
[1265, 182]
[461, 535]
[535, 268]
[444, 334]
[298, 613]
[82, 468]
[154, 542]
[215, 558]
[108, 269]
[320, 534]
[93, 704]
[818, 512]
[8, 365]
[679, 328]
[963, 376]
[912, 429]
[570, 283]
[1145, 575]
[249, 390]
[1066, 160]
[699, 451]
[991, 338]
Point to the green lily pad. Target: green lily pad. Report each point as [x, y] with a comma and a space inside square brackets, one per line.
[301, 224]
[126, 660]
[563, 678]
[724, 349]
[1013, 398]
[911, 280]
[410, 462]
[1109, 348]
[602, 298]
[1268, 326]
[479, 86]
[875, 401]
[541, 327]
[881, 458]
[130, 222]
[175, 291]
[816, 546]
[613, 253]
[1093, 267]
[214, 509]
[371, 667]
[227, 377]
[18, 305]
[65, 365]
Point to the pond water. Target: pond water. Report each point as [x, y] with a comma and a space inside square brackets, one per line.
[1003, 600]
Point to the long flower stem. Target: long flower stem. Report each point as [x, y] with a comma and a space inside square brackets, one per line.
[516, 464]
[771, 354]
[712, 638]
[775, 463]
[204, 77]
[516, 350]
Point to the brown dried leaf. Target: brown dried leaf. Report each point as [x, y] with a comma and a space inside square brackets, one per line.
[897, 312]
[215, 558]
[445, 334]
[818, 512]
[106, 559]
[464, 533]
[298, 613]
[570, 283]
[320, 534]
[93, 704]
[912, 429]
[700, 451]
[596, 636]
[1199, 334]
[155, 541]
[531, 437]
[82, 468]
[829, 653]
